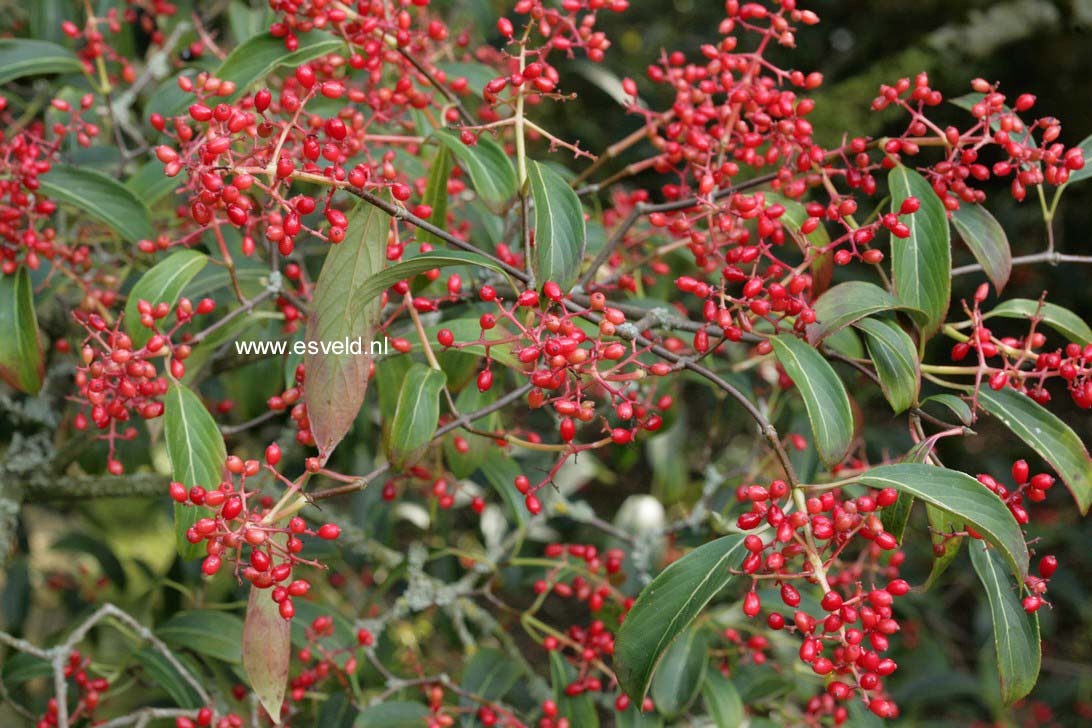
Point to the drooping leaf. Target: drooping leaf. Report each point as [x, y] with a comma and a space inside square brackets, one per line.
[1046, 434]
[560, 233]
[1015, 632]
[961, 495]
[416, 416]
[987, 241]
[267, 649]
[722, 700]
[490, 170]
[162, 283]
[500, 472]
[197, 454]
[846, 303]
[208, 631]
[678, 677]
[579, 709]
[1061, 319]
[922, 263]
[393, 714]
[824, 396]
[954, 404]
[102, 198]
[942, 523]
[896, 359]
[436, 194]
[336, 382]
[255, 59]
[21, 57]
[667, 606]
[22, 365]
[167, 676]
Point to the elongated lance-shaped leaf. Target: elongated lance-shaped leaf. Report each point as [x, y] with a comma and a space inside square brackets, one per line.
[162, 283]
[22, 365]
[667, 606]
[267, 649]
[961, 495]
[896, 360]
[102, 198]
[336, 382]
[369, 290]
[1015, 632]
[20, 57]
[560, 232]
[846, 303]
[987, 241]
[722, 700]
[416, 416]
[1061, 319]
[824, 396]
[196, 450]
[922, 263]
[679, 675]
[1053, 439]
[436, 194]
[490, 169]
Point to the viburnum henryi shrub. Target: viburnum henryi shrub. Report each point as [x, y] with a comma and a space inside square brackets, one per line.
[429, 528]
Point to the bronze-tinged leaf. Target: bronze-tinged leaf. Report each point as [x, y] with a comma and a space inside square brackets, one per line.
[267, 647]
[338, 378]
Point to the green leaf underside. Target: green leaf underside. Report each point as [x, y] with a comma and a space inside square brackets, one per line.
[579, 709]
[987, 241]
[162, 283]
[942, 523]
[375, 284]
[393, 714]
[847, 303]
[22, 365]
[101, 197]
[416, 416]
[208, 631]
[922, 263]
[1047, 435]
[336, 383]
[961, 495]
[954, 404]
[1062, 320]
[197, 453]
[21, 57]
[560, 232]
[824, 396]
[267, 649]
[1015, 632]
[667, 606]
[436, 194]
[259, 56]
[167, 676]
[490, 169]
[679, 675]
[722, 700]
[896, 360]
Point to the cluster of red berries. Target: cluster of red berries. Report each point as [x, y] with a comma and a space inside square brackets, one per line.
[90, 690]
[241, 529]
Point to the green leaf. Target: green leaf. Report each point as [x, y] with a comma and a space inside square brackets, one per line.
[922, 263]
[394, 714]
[1047, 435]
[21, 57]
[896, 359]
[667, 606]
[489, 674]
[255, 59]
[961, 495]
[21, 363]
[162, 283]
[579, 709]
[846, 303]
[679, 675]
[987, 241]
[489, 168]
[722, 700]
[1015, 632]
[208, 631]
[632, 717]
[1062, 320]
[954, 404]
[336, 382]
[337, 712]
[416, 417]
[824, 396]
[436, 194]
[267, 650]
[560, 233]
[167, 676]
[371, 287]
[500, 472]
[462, 464]
[822, 266]
[150, 184]
[196, 450]
[101, 197]
[941, 523]
[20, 667]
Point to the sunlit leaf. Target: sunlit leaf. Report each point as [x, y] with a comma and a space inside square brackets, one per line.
[922, 263]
